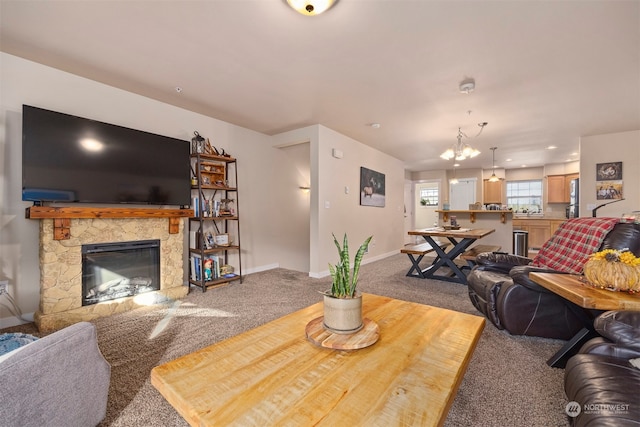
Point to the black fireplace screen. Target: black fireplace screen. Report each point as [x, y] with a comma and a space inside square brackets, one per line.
[117, 270]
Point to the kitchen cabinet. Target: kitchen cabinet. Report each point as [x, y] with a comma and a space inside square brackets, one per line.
[559, 188]
[493, 192]
[540, 230]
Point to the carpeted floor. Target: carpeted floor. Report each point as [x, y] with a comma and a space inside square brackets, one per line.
[507, 383]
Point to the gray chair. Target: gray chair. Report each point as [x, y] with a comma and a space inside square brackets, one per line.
[61, 379]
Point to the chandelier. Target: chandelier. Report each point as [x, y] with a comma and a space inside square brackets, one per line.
[460, 150]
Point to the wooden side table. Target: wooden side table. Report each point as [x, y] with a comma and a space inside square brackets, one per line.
[573, 288]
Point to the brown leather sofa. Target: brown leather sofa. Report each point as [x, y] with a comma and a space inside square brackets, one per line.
[500, 288]
[600, 382]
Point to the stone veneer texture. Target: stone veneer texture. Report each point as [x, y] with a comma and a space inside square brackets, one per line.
[61, 267]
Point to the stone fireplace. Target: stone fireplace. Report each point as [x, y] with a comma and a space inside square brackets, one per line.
[121, 269]
[61, 291]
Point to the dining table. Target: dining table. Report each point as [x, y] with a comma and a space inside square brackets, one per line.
[461, 239]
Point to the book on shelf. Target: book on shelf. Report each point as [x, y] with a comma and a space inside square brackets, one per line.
[209, 267]
[196, 266]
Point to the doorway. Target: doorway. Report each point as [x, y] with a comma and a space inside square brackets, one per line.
[462, 194]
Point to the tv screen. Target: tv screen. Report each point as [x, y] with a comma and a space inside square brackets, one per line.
[72, 159]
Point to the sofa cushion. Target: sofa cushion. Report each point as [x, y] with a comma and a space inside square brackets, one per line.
[605, 388]
[570, 246]
[625, 235]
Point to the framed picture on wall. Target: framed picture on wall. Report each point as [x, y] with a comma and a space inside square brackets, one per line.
[372, 188]
[609, 171]
[609, 190]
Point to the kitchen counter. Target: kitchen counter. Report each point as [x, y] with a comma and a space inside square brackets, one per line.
[473, 213]
[500, 221]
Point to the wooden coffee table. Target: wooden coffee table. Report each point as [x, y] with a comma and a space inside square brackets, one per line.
[273, 375]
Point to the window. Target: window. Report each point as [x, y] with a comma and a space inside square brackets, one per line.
[525, 196]
[429, 196]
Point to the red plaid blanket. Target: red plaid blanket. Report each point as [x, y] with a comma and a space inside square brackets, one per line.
[572, 243]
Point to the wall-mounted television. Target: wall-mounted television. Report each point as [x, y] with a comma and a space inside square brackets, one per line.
[72, 159]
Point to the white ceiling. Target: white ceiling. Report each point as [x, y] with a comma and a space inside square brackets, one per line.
[546, 72]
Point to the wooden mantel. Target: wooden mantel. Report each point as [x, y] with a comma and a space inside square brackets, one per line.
[62, 216]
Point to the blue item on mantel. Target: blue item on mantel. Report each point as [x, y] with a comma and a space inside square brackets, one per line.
[9, 342]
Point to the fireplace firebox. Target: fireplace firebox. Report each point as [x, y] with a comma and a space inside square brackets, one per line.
[117, 270]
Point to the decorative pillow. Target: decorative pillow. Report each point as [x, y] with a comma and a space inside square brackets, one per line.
[12, 341]
[572, 243]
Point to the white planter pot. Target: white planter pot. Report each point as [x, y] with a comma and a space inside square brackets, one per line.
[343, 315]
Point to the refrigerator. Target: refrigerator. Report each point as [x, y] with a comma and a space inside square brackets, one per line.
[574, 199]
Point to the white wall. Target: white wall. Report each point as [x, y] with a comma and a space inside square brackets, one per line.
[262, 169]
[344, 214]
[329, 177]
[614, 147]
[280, 224]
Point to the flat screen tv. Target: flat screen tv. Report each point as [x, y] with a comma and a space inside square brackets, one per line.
[72, 159]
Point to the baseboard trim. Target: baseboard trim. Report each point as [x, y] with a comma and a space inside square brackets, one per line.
[260, 268]
[8, 322]
[325, 273]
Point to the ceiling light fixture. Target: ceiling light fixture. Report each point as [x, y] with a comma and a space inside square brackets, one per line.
[461, 151]
[467, 86]
[311, 7]
[494, 178]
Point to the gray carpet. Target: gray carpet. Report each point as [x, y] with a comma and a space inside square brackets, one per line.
[507, 383]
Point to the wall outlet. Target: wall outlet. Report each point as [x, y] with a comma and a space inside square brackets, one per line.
[4, 287]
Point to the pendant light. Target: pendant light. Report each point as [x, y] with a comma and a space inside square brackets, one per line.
[494, 178]
[454, 180]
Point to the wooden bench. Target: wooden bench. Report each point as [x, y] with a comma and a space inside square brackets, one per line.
[471, 254]
[420, 250]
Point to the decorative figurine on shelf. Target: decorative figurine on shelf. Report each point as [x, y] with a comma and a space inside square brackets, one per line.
[226, 208]
[197, 143]
[208, 269]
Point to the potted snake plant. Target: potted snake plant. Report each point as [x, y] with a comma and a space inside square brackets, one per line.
[342, 304]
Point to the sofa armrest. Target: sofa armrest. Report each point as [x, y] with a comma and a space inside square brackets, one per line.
[520, 275]
[620, 327]
[500, 262]
[61, 379]
[604, 347]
